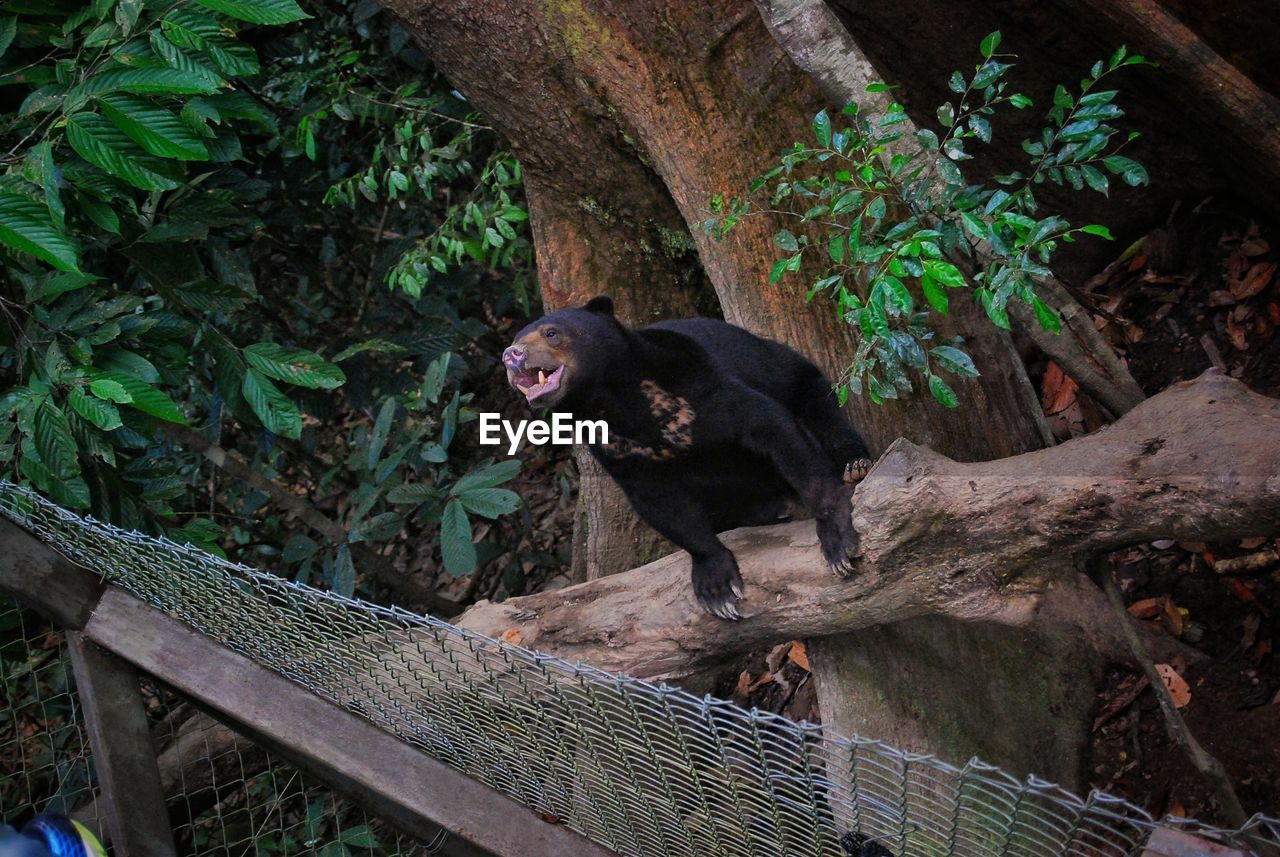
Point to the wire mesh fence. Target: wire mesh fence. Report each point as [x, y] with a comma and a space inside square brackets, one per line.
[643, 769]
[226, 795]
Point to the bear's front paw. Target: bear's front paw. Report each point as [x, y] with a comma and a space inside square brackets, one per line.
[839, 542]
[718, 585]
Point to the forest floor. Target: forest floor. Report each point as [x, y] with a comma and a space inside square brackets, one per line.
[1199, 291]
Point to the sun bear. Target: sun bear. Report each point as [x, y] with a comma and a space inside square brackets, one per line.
[710, 428]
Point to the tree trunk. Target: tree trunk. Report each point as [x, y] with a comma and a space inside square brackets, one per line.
[628, 117]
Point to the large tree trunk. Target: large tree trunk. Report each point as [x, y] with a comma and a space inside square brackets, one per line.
[628, 116]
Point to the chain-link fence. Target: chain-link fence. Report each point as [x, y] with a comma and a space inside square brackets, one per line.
[226, 795]
[640, 768]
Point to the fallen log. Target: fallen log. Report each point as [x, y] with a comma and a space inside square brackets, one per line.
[979, 542]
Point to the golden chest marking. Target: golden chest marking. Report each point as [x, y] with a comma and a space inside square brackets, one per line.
[674, 418]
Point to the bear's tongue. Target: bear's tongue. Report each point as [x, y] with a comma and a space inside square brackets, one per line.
[534, 386]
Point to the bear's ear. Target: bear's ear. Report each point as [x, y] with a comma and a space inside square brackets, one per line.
[602, 304]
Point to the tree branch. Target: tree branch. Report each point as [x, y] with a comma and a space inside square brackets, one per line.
[975, 542]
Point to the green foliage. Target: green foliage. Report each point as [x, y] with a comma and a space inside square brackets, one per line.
[892, 224]
[178, 274]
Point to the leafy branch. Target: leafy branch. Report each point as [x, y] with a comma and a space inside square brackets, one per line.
[891, 224]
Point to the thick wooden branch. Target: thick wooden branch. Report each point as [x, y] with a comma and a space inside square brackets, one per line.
[976, 542]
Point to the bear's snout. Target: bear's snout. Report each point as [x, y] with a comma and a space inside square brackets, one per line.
[513, 358]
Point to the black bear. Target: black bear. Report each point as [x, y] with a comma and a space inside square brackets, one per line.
[710, 428]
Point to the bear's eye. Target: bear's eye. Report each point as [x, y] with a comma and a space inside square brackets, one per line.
[550, 333]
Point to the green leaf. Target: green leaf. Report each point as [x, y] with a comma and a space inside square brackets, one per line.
[949, 172]
[142, 396]
[944, 272]
[1132, 172]
[376, 345]
[1097, 229]
[936, 297]
[273, 408]
[494, 474]
[1046, 315]
[989, 44]
[956, 83]
[381, 429]
[152, 80]
[1095, 178]
[981, 127]
[26, 226]
[40, 169]
[98, 412]
[152, 127]
[344, 572]
[779, 268]
[456, 548]
[294, 366]
[412, 492]
[490, 502]
[955, 361]
[298, 548]
[822, 129]
[54, 441]
[8, 30]
[380, 527]
[942, 392]
[947, 115]
[786, 241]
[107, 389]
[258, 11]
[104, 145]
[994, 309]
[897, 293]
[1019, 101]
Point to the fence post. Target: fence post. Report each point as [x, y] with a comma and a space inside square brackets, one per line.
[124, 760]
[124, 757]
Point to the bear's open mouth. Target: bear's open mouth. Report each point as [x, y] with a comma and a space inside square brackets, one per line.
[536, 383]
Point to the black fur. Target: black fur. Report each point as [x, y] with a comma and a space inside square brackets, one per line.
[711, 427]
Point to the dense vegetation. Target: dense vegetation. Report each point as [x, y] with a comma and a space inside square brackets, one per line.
[202, 208]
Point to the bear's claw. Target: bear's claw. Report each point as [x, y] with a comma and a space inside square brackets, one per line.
[718, 586]
[839, 542]
[855, 471]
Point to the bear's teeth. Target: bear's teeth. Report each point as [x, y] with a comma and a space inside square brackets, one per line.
[542, 378]
[523, 389]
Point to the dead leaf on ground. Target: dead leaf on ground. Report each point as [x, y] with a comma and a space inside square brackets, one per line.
[1173, 617]
[799, 656]
[1178, 687]
[1147, 608]
[1128, 691]
[1257, 279]
[1060, 390]
[513, 636]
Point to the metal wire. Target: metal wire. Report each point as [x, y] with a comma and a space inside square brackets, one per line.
[641, 768]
